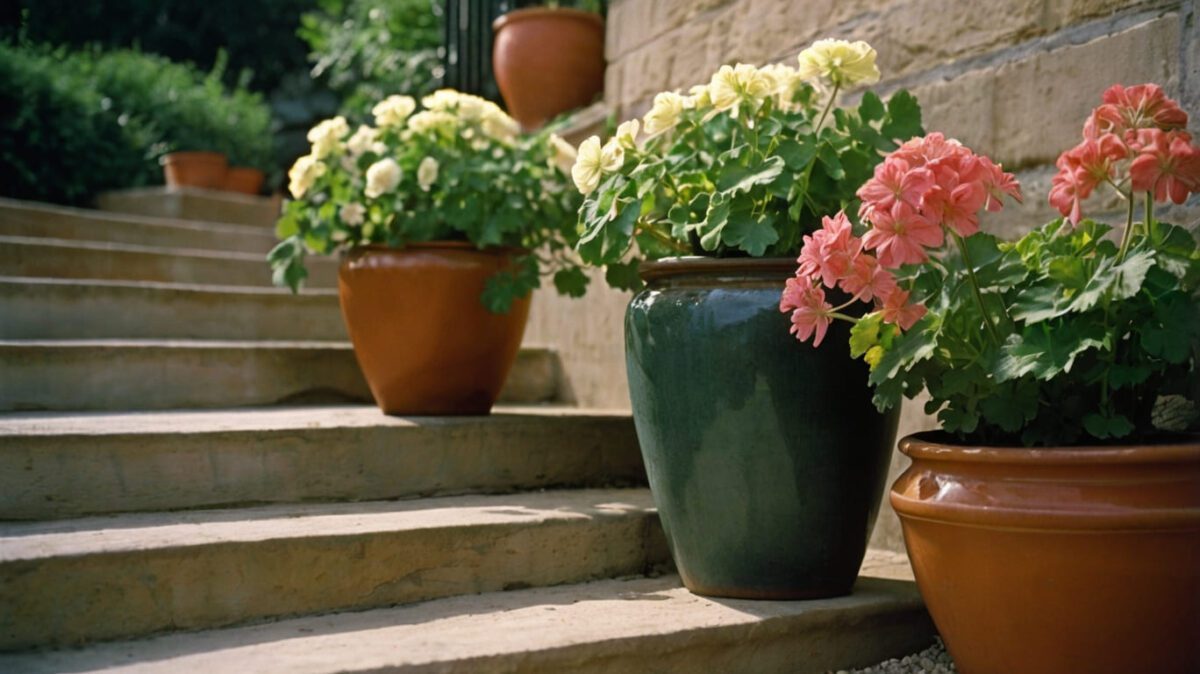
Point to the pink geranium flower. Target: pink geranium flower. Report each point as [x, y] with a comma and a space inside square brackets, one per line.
[1081, 169]
[1166, 164]
[901, 235]
[957, 205]
[811, 314]
[868, 279]
[829, 251]
[1068, 189]
[998, 184]
[898, 311]
[895, 180]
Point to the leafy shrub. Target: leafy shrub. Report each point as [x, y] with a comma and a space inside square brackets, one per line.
[57, 142]
[73, 124]
[366, 50]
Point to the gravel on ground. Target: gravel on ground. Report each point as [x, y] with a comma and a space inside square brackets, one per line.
[932, 660]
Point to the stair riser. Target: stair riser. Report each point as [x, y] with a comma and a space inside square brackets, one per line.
[141, 377]
[58, 224]
[69, 600]
[48, 477]
[193, 204]
[32, 258]
[81, 311]
[97, 377]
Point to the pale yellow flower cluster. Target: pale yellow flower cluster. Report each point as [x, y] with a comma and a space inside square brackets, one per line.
[593, 160]
[382, 177]
[839, 63]
[303, 174]
[474, 111]
[393, 110]
[427, 173]
[326, 137]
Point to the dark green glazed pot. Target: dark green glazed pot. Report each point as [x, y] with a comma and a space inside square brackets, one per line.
[766, 458]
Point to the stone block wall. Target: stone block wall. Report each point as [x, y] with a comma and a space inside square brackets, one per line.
[1013, 79]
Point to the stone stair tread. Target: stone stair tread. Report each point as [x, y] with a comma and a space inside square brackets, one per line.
[128, 576]
[55, 465]
[204, 288]
[193, 203]
[622, 625]
[86, 244]
[149, 343]
[38, 220]
[265, 419]
[139, 532]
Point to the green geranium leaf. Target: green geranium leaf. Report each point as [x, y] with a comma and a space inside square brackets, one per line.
[752, 233]
[1039, 302]
[830, 160]
[871, 108]
[957, 420]
[1169, 336]
[1044, 351]
[736, 179]
[711, 228]
[1122, 376]
[904, 117]
[1012, 407]
[865, 334]
[571, 282]
[624, 276]
[1103, 427]
[797, 155]
[908, 349]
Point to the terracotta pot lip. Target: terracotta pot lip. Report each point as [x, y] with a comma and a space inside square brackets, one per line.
[688, 265]
[528, 13]
[195, 156]
[930, 446]
[440, 245]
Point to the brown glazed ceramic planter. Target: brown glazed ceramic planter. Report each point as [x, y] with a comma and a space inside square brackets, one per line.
[195, 169]
[548, 61]
[243, 180]
[1057, 561]
[425, 343]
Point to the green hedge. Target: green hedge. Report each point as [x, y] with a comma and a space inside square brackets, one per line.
[73, 124]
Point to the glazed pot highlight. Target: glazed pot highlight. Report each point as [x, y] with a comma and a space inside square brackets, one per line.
[425, 343]
[1057, 561]
[766, 458]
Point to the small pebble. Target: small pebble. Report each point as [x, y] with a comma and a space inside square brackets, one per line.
[933, 660]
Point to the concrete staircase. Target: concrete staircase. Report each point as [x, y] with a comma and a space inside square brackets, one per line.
[192, 479]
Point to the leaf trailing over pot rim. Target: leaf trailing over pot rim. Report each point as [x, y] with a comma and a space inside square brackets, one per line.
[743, 165]
[1064, 336]
[458, 170]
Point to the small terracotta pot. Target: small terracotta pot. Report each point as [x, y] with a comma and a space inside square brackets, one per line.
[244, 180]
[195, 169]
[548, 61]
[1057, 561]
[423, 339]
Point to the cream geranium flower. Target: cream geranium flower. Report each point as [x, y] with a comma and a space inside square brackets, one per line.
[352, 214]
[382, 177]
[362, 140]
[731, 85]
[627, 134]
[326, 137]
[303, 174]
[783, 79]
[698, 98]
[588, 165]
[442, 99]
[427, 173]
[393, 110]
[839, 62]
[664, 114]
[430, 120]
[498, 125]
[564, 154]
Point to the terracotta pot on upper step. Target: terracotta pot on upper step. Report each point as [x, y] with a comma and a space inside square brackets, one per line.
[195, 169]
[244, 180]
[423, 339]
[1076, 560]
[548, 61]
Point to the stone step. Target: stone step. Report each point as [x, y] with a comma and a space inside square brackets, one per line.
[55, 465]
[37, 220]
[604, 627]
[39, 308]
[63, 258]
[124, 576]
[191, 203]
[147, 374]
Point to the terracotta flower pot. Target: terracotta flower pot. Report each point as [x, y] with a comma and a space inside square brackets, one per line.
[1057, 561]
[548, 61]
[425, 343]
[244, 180]
[765, 456]
[195, 169]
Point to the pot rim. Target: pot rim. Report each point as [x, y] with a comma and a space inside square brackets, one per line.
[466, 246]
[929, 447]
[781, 267]
[529, 13]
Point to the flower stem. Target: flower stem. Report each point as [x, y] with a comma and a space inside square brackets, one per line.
[1149, 212]
[665, 239]
[828, 107]
[1127, 236]
[987, 320]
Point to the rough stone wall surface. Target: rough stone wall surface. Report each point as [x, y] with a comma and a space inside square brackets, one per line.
[1010, 78]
